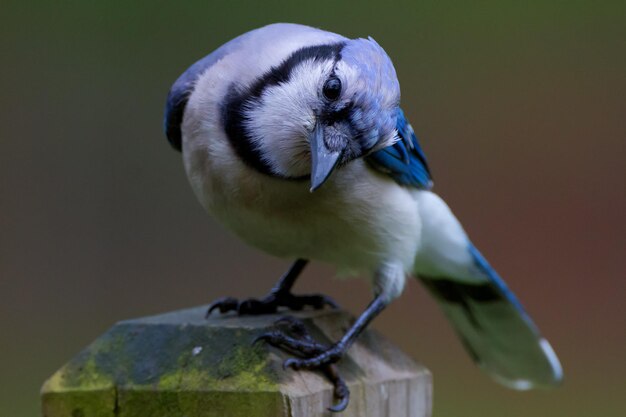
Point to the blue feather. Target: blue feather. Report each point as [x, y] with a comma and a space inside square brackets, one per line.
[494, 278]
[405, 160]
[495, 329]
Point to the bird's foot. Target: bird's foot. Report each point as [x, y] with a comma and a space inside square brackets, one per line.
[270, 303]
[314, 355]
[298, 341]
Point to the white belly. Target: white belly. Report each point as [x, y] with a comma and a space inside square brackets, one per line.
[356, 220]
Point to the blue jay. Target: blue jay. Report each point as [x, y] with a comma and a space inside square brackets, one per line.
[293, 138]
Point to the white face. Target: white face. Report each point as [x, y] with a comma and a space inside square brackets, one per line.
[282, 121]
[281, 125]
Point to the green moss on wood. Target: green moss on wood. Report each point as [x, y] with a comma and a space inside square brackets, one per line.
[164, 370]
[88, 403]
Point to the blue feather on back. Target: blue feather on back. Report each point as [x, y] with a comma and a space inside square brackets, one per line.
[404, 161]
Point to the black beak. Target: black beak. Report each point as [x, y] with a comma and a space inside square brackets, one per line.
[323, 160]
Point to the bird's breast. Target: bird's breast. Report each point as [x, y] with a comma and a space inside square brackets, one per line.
[355, 221]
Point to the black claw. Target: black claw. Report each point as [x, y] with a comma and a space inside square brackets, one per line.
[263, 337]
[341, 391]
[273, 338]
[291, 363]
[328, 301]
[224, 304]
[341, 405]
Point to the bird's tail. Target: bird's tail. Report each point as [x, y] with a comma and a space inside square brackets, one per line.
[490, 321]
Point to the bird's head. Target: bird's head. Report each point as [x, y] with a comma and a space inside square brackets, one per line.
[321, 108]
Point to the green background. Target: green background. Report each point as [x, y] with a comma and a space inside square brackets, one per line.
[520, 107]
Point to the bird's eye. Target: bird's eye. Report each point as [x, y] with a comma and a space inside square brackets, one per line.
[332, 88]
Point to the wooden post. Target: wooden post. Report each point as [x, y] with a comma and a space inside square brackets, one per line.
[179, 364]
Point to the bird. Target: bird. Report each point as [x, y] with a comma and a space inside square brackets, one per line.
[293, 138]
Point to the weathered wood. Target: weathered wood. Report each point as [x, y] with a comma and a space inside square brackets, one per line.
[179, 364]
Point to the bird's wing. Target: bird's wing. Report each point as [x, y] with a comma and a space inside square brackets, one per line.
[183, 87]
[404, 161]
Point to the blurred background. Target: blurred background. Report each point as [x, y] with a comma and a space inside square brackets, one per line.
[520, 107]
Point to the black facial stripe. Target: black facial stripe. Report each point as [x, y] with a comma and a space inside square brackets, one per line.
[235, 103]
[282, 73]
[233, 117]
[337, 114]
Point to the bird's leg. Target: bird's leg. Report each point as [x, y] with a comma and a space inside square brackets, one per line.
[303, 344]
[388, 284]
[333, 353]
[279, 296]
[314, 355]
